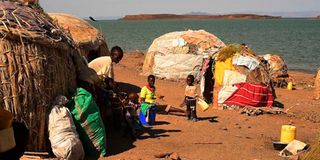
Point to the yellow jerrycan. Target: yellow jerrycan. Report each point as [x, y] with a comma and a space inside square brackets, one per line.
[203, 104]
[288, 133]
[289, 87]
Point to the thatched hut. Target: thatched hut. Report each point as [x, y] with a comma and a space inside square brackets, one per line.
[313, 153]
[90, 41]
[37, 63]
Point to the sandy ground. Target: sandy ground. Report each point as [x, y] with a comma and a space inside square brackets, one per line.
[218, 135]
[225, 135]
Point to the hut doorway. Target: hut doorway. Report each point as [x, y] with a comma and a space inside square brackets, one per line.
[208, 82]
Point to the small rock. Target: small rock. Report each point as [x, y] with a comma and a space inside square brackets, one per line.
[291, 122]
[174, 156]
[249, 126]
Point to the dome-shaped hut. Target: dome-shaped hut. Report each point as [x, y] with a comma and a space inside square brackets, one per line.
[38, 62]
[241, 79]
[90, 41]
[175, 55]
[277, 69]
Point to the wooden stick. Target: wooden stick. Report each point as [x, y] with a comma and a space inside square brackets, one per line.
[31, 157]
[208, 143]
[170, 108]
[36, 153]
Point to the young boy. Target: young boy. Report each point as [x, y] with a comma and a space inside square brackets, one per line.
[190, 99]
[130, 112]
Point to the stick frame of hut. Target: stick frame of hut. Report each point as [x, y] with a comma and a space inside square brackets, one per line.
[36, 64]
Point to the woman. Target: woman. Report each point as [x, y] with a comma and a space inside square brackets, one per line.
[147, 99]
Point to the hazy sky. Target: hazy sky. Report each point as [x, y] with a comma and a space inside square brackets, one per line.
[117, 8]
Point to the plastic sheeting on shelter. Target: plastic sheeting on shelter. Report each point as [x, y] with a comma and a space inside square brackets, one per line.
[228, 88]
[179, 66]
[172, 48]
[277, 66]
[236, 64]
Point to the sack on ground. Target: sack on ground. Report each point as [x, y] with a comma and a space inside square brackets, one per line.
[89, 123]
[63, 136]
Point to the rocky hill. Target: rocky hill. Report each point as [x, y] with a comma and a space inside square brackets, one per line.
[186, 17]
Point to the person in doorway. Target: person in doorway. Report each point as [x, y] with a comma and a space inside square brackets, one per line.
[106, 94]
[190, 99]
[103, 65]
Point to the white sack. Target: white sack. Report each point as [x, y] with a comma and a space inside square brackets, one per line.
[63, 136]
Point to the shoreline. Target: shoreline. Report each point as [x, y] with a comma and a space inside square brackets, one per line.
[303, 71]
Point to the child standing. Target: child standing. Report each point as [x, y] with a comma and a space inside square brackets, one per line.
[190, 98]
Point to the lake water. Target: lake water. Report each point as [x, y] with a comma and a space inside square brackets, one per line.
[296, 40]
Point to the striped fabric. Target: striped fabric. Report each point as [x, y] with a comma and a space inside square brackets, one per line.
[255, 95]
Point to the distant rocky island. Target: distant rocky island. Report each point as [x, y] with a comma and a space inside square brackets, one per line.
[188, 17]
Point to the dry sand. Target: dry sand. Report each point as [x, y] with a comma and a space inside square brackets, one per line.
[225, 135]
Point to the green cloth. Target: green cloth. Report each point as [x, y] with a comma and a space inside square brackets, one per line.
[89, 123]
[144, 107]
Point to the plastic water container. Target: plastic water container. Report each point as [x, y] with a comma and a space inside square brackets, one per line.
[289, 87]
[288, 133]
[203, 104]
[151, 118]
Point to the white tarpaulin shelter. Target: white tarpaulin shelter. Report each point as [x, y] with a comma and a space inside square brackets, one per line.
[175, 55]
[179, 65]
